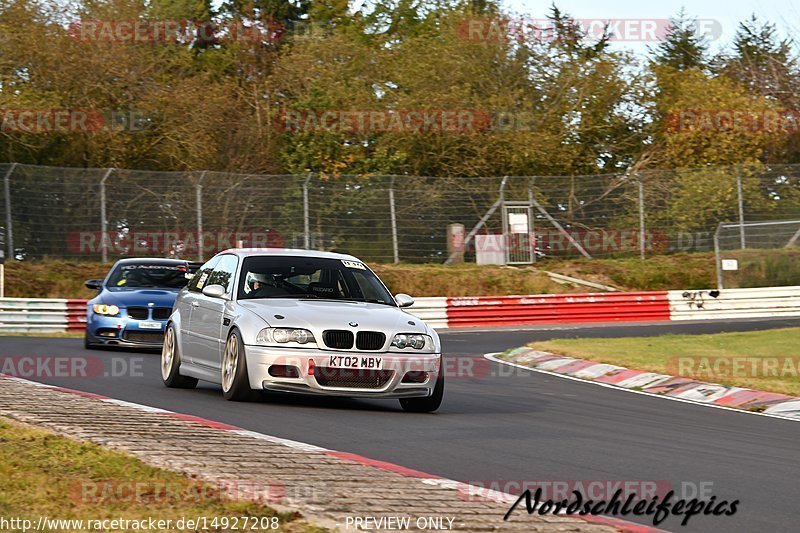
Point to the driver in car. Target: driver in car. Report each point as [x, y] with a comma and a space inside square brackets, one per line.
[261, 286]
[130, 278]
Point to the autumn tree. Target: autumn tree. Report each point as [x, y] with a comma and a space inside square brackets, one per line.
[683, 46]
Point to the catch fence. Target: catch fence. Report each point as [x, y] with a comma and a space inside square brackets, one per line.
[104, 214]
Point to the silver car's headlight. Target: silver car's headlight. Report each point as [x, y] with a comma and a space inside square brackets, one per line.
[413, 341]
[106, 310]
[285, 336]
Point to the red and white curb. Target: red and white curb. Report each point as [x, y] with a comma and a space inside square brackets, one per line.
[425, 478]
[666, 386]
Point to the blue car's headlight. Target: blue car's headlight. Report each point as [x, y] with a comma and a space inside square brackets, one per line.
[106, 310]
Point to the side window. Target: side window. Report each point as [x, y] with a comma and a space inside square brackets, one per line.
[224, 272]
[200, 278]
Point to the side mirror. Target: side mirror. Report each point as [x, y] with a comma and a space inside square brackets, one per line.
[404, 300]
[214, 291]
[94, 284]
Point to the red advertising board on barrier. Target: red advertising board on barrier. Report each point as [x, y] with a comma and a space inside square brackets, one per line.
[557, 308]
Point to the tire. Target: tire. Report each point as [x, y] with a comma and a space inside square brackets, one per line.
[233, 371]
[86, 344]
[171, 363]
[428, 404]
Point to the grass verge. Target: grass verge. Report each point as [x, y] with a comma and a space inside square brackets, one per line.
[47, 475]
[763, 360]
[59, 278]
[664, 272]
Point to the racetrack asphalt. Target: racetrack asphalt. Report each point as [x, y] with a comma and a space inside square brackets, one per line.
[499, 424]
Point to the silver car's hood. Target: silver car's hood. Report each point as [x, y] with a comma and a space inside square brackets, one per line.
[319, 315]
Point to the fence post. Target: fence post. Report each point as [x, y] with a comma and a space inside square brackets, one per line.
[9, 223]
[717, 257]
[531, 220]
[393, 214]
[642, 228]
[103, 218]
[198, 197]
[742, 241]
[306, 230]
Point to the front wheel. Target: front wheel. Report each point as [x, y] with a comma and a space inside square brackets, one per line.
[87, 343]
[235, 382]
[171, 363]
[428, 404]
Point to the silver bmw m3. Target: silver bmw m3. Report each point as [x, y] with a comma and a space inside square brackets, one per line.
[304, 322]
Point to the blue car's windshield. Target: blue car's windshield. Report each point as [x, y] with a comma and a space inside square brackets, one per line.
[148, 275]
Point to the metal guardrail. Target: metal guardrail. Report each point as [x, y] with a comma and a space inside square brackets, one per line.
[42, 314]
[493, 311]
[734, 303]
[53, 315]
[557, 309]
[431, 310]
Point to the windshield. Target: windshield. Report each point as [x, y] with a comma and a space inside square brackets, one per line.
[310, 277]
[148, 275]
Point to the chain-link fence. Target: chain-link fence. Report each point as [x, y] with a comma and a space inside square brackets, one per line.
[758, 253]
[104, 214]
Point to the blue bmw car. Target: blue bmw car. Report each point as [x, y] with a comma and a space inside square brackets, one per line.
[134, 302]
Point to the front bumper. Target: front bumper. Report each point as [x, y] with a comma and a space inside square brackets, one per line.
[396, 366]
[124, 331]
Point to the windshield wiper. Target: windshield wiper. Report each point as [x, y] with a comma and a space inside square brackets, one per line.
[334, 299]
[366, 300]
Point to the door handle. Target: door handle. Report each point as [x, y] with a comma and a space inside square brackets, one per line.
[195, 304]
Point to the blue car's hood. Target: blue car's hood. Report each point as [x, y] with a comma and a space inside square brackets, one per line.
[139, 297]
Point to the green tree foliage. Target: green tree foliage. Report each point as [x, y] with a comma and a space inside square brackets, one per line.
[762, 62]
[765, 65]
[683, 47]
[557, 102]
[285, 11]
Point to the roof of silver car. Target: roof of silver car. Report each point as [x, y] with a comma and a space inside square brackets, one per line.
[248, 252]
[159, 260]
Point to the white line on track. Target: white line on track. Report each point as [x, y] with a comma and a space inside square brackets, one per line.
[493, 357]
[466, 488]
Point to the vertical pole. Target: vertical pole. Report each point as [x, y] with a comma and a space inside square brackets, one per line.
[198, 197]
[717, 257]
[506, 236]
[306, 230]
[642, 236]
[393, 214]
[103, 219]
[9, 229]
[501, 197]
[9, 223]
[531, 219]
[742, 242]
